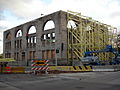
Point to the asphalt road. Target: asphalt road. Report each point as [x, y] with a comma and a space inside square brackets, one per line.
[68, 81]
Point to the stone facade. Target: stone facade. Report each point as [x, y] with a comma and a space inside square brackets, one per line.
[43, 44]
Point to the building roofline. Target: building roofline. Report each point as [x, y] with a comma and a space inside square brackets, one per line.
[35, 19]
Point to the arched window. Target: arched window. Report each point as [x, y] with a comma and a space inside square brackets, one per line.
[32, 30]
[31, 37]
[8, 36]
[49, 25]
[19, 33]
[71, 24]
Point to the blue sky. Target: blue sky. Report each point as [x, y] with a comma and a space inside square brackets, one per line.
[9, 16]
[16, 12]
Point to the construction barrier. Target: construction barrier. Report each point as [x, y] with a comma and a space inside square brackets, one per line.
[39, 65]
[71, 68]
[12, 70]
[2, 70]
[5, 69]
[17, 70]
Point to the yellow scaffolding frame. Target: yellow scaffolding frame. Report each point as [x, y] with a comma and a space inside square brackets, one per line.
[89, 35]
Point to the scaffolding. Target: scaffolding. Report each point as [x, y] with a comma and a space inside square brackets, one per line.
[88, 35]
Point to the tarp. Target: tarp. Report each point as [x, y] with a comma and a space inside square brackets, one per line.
[6, 60]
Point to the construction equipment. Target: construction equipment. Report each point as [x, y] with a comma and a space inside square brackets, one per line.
[86, 34]
[89, 58]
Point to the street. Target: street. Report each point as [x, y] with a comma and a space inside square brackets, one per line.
[64, 81]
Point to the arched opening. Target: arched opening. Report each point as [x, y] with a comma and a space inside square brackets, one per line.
[49, 25]
[8, 44]
[71, 24]
[48, 38]
[8, 36]
[18, 41]
[31, 37]
[18, 34]
[32, 30]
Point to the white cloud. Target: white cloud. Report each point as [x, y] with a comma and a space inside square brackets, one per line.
[101, 10]
[23, 8]
[4, 23]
